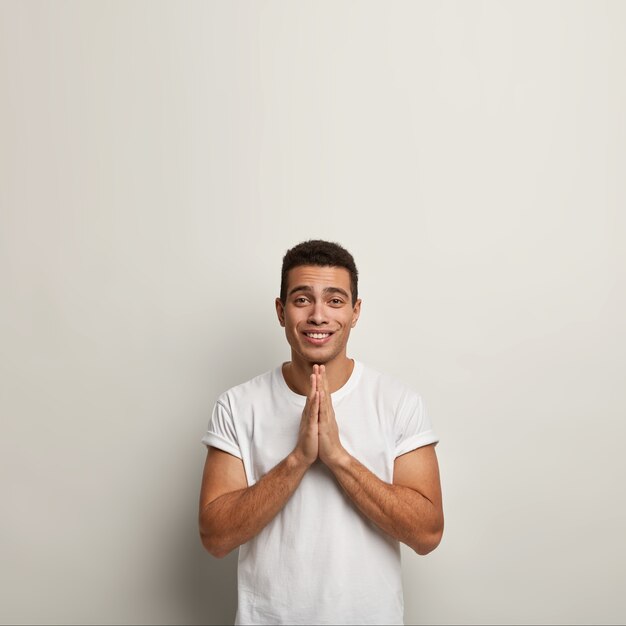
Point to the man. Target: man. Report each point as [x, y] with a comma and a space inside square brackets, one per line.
[318, 468]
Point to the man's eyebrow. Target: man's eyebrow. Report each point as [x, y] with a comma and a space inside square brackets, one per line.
[326, 290]
[300, 288]
[336, 290]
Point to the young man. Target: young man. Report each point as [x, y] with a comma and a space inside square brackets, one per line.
[318, 468]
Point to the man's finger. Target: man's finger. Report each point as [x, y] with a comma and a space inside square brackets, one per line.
[324, 378]
[315, 408]
[323, 412]
[323, 384]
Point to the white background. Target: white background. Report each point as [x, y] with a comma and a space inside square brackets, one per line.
[157, 160]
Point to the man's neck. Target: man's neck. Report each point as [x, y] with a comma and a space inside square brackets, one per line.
[296, 374]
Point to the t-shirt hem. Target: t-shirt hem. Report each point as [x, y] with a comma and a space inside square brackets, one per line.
[211, 439]
[416, 441]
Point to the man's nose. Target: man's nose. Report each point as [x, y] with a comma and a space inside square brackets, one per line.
[317, 315]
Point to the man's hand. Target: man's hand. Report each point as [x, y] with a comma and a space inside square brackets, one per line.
[307, 448]
[319, 433]
[331, 451]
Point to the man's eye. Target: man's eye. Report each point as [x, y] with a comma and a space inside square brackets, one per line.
[300, 300]
[336, 301]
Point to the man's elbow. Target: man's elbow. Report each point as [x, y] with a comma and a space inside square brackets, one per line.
[428, 542]
[213, 546]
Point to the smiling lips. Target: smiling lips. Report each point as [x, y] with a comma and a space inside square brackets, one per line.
[317, 338]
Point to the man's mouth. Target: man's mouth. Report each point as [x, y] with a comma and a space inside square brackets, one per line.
[317, 338]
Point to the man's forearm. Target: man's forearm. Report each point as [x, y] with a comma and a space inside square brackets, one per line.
[234, 518]
[399, 511]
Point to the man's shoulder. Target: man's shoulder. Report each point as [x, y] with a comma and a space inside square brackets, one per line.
[385, 382]
[397, 399]
[249, 388]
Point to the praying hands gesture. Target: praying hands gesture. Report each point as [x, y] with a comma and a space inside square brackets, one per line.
[319, 433]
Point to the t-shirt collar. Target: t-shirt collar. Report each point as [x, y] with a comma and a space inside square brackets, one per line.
[336, 395]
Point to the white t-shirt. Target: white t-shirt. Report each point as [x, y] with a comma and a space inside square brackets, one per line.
[320, 561]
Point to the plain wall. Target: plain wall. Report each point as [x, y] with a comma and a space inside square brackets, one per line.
[157, 159]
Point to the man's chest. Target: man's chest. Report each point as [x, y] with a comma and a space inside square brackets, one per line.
[365, 431]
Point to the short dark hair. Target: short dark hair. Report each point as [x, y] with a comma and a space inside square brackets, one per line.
[324, 254]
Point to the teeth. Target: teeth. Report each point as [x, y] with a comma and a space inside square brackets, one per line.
[317, 335]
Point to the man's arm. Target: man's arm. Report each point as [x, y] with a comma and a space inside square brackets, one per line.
[410, 509]
[231, 513]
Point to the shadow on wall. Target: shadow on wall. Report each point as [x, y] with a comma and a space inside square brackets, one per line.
[206, 587]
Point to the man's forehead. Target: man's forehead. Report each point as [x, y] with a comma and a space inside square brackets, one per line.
[327, 276]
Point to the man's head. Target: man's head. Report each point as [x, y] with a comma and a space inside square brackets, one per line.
[318, 303]
[323, 254]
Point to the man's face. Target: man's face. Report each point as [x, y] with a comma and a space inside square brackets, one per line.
[318, 313]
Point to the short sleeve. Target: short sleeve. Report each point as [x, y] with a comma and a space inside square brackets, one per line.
[221, 432]
[413, 427]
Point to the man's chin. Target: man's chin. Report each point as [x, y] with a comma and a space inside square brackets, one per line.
[320, 359]
[311, 359]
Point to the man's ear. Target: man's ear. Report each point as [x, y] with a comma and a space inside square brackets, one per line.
[355, 313]
[280, 311]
